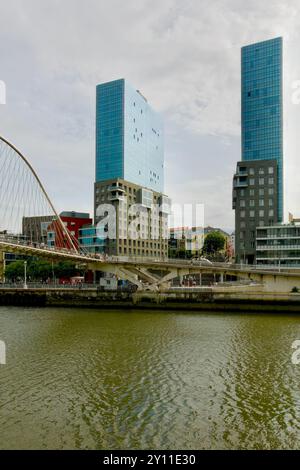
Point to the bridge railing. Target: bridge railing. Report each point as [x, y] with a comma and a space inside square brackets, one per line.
[41, 285]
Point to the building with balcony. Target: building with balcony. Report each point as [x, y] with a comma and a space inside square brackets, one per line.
[278, 246]
[130, 171]
[141, 219]
[258, 196]
[91, 239]
[255, 204]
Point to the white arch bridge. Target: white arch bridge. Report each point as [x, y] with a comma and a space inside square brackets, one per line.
[26, 213]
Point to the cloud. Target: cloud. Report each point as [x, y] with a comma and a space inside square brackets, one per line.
[184, 56]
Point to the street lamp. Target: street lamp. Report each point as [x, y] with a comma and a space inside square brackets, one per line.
[25, 275]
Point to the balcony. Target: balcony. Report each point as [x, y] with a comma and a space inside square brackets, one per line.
[117, 197]
[116, 188]
[242, 172]
[240, 184]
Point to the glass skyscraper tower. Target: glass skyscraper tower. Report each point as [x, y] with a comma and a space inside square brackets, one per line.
[129, 137]
[261, 68]
[130, 170]
[258, 181]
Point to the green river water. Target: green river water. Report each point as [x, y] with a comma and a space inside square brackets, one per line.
[91, 379]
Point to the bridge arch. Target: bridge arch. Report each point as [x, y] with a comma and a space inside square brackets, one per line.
[9, 191]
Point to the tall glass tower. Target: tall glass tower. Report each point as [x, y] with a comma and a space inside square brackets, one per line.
[129, 137]
[129, 171]
[261, 68]
[258, 181]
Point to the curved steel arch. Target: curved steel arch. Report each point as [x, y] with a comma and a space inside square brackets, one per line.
[42, 188]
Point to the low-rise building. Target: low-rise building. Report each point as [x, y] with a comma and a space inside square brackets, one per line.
[92, 239]
[73, 221]
[278, 246]
[185, 242]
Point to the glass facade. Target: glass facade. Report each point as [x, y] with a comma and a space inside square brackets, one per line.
[262, 106]
[91, 240]
[129, 137]
[109, 130]
[278, 246]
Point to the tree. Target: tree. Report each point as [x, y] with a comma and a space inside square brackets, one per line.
[39, 270]
[214, 243]
[36, 270]
[14, 270]
[66, 269]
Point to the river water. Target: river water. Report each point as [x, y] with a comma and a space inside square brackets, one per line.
[87, 379]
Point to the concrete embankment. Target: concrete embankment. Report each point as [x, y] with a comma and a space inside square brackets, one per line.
[205, 299]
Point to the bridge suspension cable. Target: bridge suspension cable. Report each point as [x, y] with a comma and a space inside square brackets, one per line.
[27, 214]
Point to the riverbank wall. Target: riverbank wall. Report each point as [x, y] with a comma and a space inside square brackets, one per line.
[189, 299]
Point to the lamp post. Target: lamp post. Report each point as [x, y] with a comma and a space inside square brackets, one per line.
[53, 275]
[25, 275]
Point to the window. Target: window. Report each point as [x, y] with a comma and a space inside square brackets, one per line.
[271, 180]
[270, 202]
[251, 203]
[242, 192]
[261, 192]
[261, 213]
[271, 213]
[252, 214]
[252, 181]
[243, 224]
[261, 181]
[261, 202]
[271, 170]
[251, 171]
[242, 214]
[242, 203]
[271, 191]
[261, 171]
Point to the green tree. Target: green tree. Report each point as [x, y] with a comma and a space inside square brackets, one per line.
[214, 243]
[14, 270]
[39, 270]
[66, 269]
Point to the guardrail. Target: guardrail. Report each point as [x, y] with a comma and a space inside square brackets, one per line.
[39, 285]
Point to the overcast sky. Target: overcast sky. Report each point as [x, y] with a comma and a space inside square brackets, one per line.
[183, 55]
